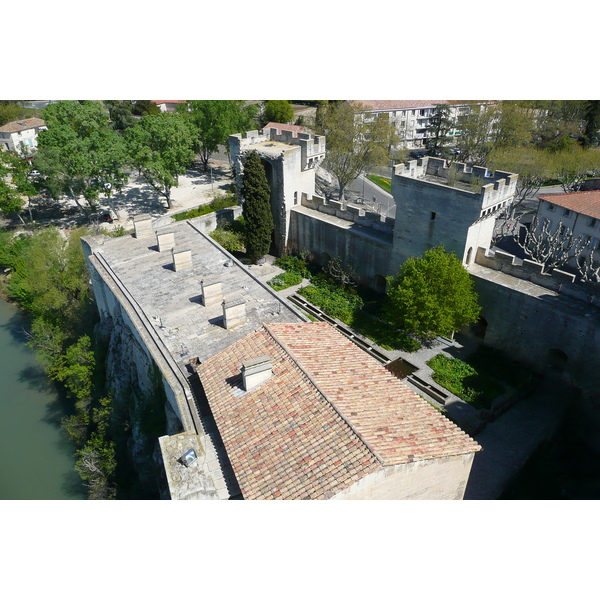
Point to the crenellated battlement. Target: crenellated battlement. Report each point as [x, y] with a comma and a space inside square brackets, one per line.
[493, 188]
[529, 270]
[358, 215]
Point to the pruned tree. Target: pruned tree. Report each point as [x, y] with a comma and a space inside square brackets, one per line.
[533, 166]
[573, 166]
[552, 249]
[342, 273]
[356, 141]
[588, 267]
[256, 209]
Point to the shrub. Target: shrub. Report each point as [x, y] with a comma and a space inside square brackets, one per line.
[218, 203]
[230, 240]
[285, 280]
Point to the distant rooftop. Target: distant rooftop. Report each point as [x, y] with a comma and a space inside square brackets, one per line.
[387, 105]
[330, 414]
[585, 203]
[22, 125]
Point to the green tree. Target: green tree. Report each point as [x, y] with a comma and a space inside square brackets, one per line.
[440, 124]
[432, 295]
[572, 166]
[591, 130]
[355, 142]
[11, 200]
[278, 111]
[512, 126]
[11, 111]
[256, 208]
[474, 141]
[145, 107]
[121, 114]
[161, 147]
[79, 152]
[216, 120]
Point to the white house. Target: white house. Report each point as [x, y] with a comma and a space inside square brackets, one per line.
[21, 135]
[412, 117]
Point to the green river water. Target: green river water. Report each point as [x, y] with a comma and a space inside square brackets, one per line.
[36, 458]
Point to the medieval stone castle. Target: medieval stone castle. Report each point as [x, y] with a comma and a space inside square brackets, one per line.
[253, 411]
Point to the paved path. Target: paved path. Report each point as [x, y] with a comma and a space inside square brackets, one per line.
[511, 440]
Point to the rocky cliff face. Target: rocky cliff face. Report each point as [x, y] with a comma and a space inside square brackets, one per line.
[140, 412]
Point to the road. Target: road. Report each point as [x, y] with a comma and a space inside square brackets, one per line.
[366, 194]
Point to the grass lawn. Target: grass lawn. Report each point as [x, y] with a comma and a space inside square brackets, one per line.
[383, 182]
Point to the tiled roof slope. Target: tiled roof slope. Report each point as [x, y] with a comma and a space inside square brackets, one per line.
[585, 203]
[406, 104]
[283, 439]
[394, 421]
[329, 415]
[22, 124]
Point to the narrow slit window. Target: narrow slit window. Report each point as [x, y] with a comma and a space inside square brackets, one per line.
[432, 218]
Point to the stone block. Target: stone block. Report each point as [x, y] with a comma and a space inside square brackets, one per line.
[212, 292]
[143, 226]
[234, 313]
[182, 258]
[165, 240]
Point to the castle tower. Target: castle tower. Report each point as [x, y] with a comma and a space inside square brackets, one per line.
[449, 204]
[290, 158]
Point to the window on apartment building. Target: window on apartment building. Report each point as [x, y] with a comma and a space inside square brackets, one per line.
[566, 212]
[592, 222]
[551, 206]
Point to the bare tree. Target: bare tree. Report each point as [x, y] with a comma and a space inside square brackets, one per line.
[551, 249]
[588, 268]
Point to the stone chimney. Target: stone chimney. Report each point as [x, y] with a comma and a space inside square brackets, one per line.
[234, 313]
[142, 225]
[256, 371]
[165, 240]
[211, 292]
[182, 258]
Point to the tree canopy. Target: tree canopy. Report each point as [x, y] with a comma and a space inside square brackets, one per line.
[161, 147]
[79, 152]
[278, 111]
[216, 120]
[257, 214]
[432, 295]
[354, 144]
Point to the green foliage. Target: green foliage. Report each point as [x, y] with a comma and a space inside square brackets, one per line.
[256, 208]
[216, 120]
[218, 203]
[383, 182]
[464, 381]
[440, 124]
[285, 280]
[232, 241]
[432, 295]
[144, 107]
[292, 263]
[11, 201]
[161, 147]
[278, 111]
[11, 111]
[354, 145]
[79, 152]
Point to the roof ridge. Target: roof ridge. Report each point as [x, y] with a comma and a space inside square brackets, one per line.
[314, 383]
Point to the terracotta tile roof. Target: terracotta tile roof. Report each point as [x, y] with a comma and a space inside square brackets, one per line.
[329, 415]
[394, 421]
[280, 126]
[22, 125]
[585, 203]
[283, 439]
[169, 101]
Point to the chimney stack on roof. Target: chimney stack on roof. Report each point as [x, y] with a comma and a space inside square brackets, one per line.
[165, 240]
[234, 313]
[211, 292]
[142, 225]
[256, 371]
[182, 258]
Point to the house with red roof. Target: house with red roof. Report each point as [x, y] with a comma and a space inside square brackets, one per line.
[21, 135]
[577, 211]
[304, 413]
